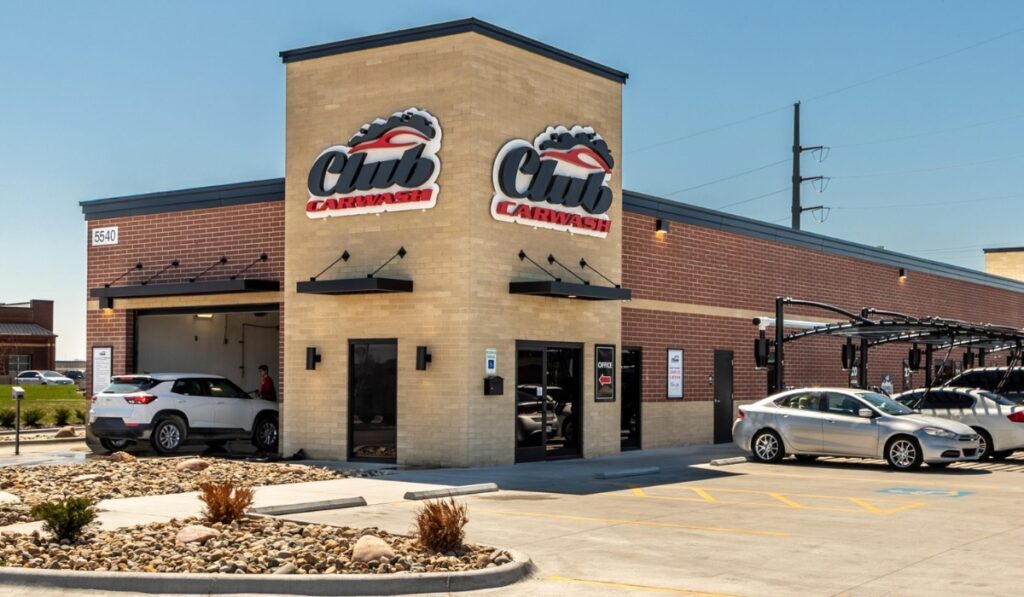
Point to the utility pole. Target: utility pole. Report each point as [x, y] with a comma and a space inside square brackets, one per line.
[797, 209]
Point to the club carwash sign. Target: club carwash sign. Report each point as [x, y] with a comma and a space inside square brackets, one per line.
[389, 165]
[560, 181]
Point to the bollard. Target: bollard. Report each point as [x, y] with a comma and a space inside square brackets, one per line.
[17, 394]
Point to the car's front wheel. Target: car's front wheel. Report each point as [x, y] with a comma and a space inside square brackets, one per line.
[168, 435]
[984, 444]
[115, 445]
[265, 434]
[766, 446]
[903, 453]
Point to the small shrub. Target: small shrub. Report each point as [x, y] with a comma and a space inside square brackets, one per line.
[441, 525]
[61, 416]
[224, 502]
[32, 417]
[7, 417]
[65, 519]
[79, 415]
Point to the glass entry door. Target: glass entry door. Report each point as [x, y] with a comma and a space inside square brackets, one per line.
[373, 400]
[549, 388]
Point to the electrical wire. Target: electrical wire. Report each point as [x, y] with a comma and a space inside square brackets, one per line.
[928, 133]
[705, 131]
[928, 204]
[730, 177]
[728, 205]
[1015, 156]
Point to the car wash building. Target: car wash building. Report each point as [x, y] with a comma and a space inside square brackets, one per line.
[450, 272]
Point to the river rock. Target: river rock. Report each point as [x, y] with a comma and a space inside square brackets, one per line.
[288, 568]
[121, 457]
[193, 464]
[369, 548]
[195, 533]
[63, 432]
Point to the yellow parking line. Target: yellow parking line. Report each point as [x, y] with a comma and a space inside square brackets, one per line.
[634, 587]
[638, 492]
[885, 511]
[785, 500]
[745, 504]
[645, 523]
[707, 497]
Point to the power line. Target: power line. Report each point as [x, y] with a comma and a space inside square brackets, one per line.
[929, 133]
[929, 204]
[704, 131]
[728, 205]
[737, 175]
[1015, 156]
[917, 64]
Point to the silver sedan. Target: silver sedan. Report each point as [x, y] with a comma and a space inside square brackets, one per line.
[814, 422]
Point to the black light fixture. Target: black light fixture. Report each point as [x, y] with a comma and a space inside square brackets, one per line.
[106, 302]
[968, 359]
[312, 358]
[903, 274]
[661, 227]
[914, 358]
[422, 358]
[849, 355]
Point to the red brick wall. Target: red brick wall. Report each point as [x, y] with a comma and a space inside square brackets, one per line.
[196, 238]
[709, 267]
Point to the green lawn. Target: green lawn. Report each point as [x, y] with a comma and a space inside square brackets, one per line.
[46, 399]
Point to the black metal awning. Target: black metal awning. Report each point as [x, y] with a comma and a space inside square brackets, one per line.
[364, 285]
[570, 290]
[185, 288]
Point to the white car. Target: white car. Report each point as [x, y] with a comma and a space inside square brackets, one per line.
[999, 421]
[812, 422]
[170, 409]
[42, 378]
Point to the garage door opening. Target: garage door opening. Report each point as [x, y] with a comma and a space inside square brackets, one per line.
[232, 343]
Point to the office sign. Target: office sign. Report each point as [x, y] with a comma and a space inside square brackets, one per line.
[102, 367]
[388, 165]
[604, 373]
[560, 181]
[674, 373]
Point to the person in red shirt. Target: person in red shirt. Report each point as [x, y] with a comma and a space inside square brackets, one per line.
[267, 391]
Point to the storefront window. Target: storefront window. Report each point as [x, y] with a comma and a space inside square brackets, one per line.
[16, 363]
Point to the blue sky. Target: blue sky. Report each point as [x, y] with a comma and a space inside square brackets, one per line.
[920, 101]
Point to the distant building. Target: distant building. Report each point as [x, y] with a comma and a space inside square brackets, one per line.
[1007, 262]
[27, 340]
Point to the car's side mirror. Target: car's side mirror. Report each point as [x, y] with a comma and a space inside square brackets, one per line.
[865, 413]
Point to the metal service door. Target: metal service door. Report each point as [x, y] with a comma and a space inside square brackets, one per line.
[723, 396]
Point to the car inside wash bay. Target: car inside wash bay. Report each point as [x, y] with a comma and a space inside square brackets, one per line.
[450, 272]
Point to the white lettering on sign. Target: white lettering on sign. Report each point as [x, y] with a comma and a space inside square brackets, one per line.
[104, 236]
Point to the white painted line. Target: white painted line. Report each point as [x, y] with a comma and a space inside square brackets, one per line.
[429, 494]
[628, 472]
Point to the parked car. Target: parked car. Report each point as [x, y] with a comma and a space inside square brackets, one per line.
[171, 409]
[999, 422]
[814, 422]
[42, 378]
[76, 376]
[991, 380]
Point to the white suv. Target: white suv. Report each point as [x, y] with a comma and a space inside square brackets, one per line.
[169, 409]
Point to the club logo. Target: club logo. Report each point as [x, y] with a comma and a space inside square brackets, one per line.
[389, 165]
[560, 181]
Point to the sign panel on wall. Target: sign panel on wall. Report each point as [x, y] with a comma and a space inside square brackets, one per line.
[560, 181]
[388, 165]
[105, 236]
[674, 373]
[490, 361]
[604, 373]
[102, 367]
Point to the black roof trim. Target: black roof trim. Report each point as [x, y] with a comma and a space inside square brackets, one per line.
[257, 191]
[364, 285]
[186, 288]
[470, 25]
[570, 290]
[1004, 250]
[708, 218]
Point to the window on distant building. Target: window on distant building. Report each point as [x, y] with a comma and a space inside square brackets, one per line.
[16, 363]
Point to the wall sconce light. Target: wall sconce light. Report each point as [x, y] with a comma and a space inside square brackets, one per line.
[204, 315]
[422, 358]
[903, 274]
[661, 227]
[106, 302]
[312, 358]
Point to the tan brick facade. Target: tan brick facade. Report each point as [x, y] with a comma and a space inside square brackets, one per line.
[1008, 263]
[484, 93]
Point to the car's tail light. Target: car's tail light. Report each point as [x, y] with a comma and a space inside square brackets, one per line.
[740, 416]
[139, 399]
[1017, 417]
[94, 398]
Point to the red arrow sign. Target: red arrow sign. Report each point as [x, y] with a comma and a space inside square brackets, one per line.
[604, 380]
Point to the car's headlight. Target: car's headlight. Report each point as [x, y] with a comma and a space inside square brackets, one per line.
[940, 432]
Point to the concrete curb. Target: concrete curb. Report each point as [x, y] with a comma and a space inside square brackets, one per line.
[429, 494]
[628, 472]
[727, 461]
[291, 584]
[335, 504]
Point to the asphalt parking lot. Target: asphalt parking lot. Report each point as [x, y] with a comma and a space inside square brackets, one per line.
[834, 527]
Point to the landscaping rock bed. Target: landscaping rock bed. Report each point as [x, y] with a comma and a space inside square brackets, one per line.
[106, 479]
[247, 546]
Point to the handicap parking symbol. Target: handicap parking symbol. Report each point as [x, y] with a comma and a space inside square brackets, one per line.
[921, 492]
